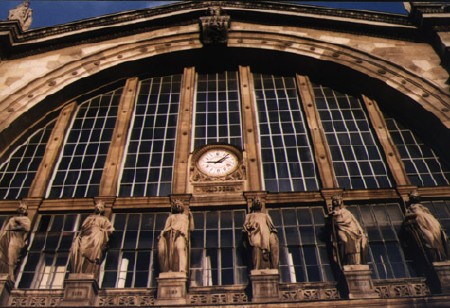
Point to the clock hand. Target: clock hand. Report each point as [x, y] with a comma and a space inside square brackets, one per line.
[218, 161]
[223, 158]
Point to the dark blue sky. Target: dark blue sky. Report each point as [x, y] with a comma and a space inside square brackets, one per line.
[54, 12]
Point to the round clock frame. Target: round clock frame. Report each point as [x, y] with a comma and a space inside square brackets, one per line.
[218, 161]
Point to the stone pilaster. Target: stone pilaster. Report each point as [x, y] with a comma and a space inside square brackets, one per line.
[6, 285]
[80, 290]
[359, 281]
[265, 285]
[171, 288]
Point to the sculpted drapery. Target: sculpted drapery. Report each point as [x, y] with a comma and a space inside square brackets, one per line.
[425, 230]
[261, 236]
[90, 244]
[173, 243]
[13, 239]
[351, 237]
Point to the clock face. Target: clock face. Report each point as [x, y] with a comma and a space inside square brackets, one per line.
[217, 162]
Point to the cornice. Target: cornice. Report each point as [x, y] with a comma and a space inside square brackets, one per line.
[15, 43]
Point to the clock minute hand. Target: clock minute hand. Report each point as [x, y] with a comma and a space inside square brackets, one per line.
[223, 158]
[218, 161]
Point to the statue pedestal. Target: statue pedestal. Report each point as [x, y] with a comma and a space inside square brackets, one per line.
[6, 285]
[80, 290]
[442, 270]
[265, 285]
[171, 288]
[359, 282]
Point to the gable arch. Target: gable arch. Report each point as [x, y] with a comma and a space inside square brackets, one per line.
[59, 84]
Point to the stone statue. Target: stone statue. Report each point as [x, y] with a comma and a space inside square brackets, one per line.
[13, 239]
[425, 230]
[89, 245]
[261, 235]
[352, 239]
[173, 242]
[22, 13]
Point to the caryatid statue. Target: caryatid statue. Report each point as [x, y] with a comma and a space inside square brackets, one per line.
[23, 14]
[89, 245]
[352, 240]
[425, 230]
[13, 239]
[173, 242]
[261, 235]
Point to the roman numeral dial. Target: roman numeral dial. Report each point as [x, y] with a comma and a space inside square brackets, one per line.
[217, 162]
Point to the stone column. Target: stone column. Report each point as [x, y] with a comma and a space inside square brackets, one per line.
[442, 270]
[171, 288]
[265, 285]
[393, 157]
[6, 285]
[184, 133]
[249, 123]
[80, 290]
[359, 281]
[322, 152]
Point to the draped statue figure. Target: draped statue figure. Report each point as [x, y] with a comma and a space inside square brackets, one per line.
[89, 245]
[23, 14]
[261, 236]
[352, 240]
[173, 242]
[425, 230]
[13, 239]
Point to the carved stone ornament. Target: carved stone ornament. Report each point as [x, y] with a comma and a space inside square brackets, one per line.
[173, 242]
[22, 13]
[351, 244]
[217, 163]
[261, 238]
[89, 245]
[13, 239]
[425, 234]
[214, 28]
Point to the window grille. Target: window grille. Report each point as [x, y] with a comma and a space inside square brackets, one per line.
[151, 149]
[131, 258]
[303, 237]
[45, 266]
[218, 110]
[382, 223]
[18, 171]
[357, 159]
[423, 167]
[217, 256]
[80, 167]
[288, 163]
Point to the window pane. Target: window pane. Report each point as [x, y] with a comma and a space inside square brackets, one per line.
[150, 155]
[285, 146]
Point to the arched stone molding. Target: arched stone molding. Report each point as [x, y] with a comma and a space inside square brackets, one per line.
[106, 55]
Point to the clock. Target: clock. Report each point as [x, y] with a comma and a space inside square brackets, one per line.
[217, 161]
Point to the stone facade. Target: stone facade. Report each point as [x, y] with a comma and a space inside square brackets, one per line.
[393, 58]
